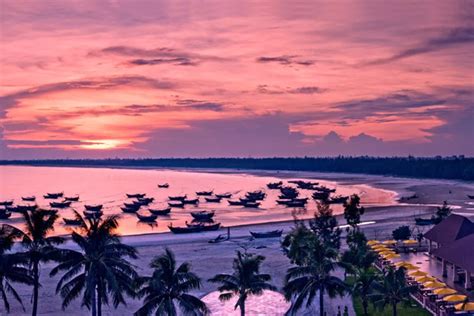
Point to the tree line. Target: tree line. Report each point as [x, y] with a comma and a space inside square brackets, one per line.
[100, 272]
[455, 167]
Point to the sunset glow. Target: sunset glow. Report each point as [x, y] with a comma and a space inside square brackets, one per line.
[196, 79]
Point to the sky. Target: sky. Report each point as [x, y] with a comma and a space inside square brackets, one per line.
[116, 78]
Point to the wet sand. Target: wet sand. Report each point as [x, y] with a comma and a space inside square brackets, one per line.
[208, 259]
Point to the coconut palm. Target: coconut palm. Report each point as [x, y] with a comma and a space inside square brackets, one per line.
[302, 283]
[364, 280]
[39, 246]
[245, 281]
[391, 290]
[100, 269]
[13, 267]
[168, 286]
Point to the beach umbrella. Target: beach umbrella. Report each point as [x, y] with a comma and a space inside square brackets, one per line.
[392, 256]
[444, 291]
[434, 284]
[373, 242]
[402, 263]
[468, 307]
[417, 274]
[454, 298]
[410, 242]
[386, 252]
[425, 279]
[378, 247]
[390, 242]
[410, 267]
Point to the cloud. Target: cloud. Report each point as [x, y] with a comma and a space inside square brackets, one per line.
[450, 38]
[265, 89]
[181, 61]
[285, 60]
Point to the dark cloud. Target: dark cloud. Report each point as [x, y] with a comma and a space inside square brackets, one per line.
[450, 38]
[286, 60]
[156, 56]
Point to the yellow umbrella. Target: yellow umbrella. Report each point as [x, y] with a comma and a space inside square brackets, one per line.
[425, 279]
[417, 273]
[402, 263]
[386, 252]
[391, 256]
[465, 307]
[373, 242]
[379, 247]
[410, 242]
[454, 298]
[390, 242]
[434, 284]
[444, 291]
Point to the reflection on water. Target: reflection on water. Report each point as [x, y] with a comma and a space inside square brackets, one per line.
[109, 187]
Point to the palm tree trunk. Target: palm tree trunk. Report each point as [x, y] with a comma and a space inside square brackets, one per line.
[94, 303]
[394, 309]
[365, 306]
[321, 301]
[35, 287]
[99, 302]
[242, 309]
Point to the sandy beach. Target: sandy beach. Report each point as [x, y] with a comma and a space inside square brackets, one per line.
[208, 259]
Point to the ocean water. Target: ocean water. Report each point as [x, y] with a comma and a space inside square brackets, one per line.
[109, 186]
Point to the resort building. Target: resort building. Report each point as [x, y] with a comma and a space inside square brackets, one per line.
[452, 241]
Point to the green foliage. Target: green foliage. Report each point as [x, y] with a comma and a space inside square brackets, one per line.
[325, 226]
[401, 233]
[246, 280]
[100, 269]
[353, 211]
[298, 243]
[442, 212]
[169, 286]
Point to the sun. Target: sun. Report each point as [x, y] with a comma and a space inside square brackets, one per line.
[102, 144]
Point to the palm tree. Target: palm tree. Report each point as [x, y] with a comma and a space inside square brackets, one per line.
[245, 281]
[12, 266]
[364, 280]
[302, 283]
[169, 285]
[99, 269]
[391, 290]
[39, 246]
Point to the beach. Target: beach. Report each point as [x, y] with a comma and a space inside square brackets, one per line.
[208, 259]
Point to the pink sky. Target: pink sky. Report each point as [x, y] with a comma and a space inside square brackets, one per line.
[235, 78]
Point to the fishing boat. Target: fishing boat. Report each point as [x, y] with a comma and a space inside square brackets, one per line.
[146, 218]
[129, 209]
[203, 215]
[235, 202]
[6, 203]
[135, 195]
[274, 185]
[72, 221]
[252, 204]
[163, 186]
[93, 208]
[269, 234]
[50, 211]
[296, 204]
[255, 195]
[145, 200]
[205, 193]
[4, 214]
[321, 195]
[28, 198]
[53, 195]
[213, 199]
[179, 204]
[72, 198]
[324, 189]
[133, 205]
[191, 201]
[205, 227]
[224, 195]
[283, 201]
[470, 196]
[338, 199]
[62, 204]
[26, 207]
[92, 214]
[163, 211]
[423, 221]
[288, 193]
[177, 197]
[184, 230]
